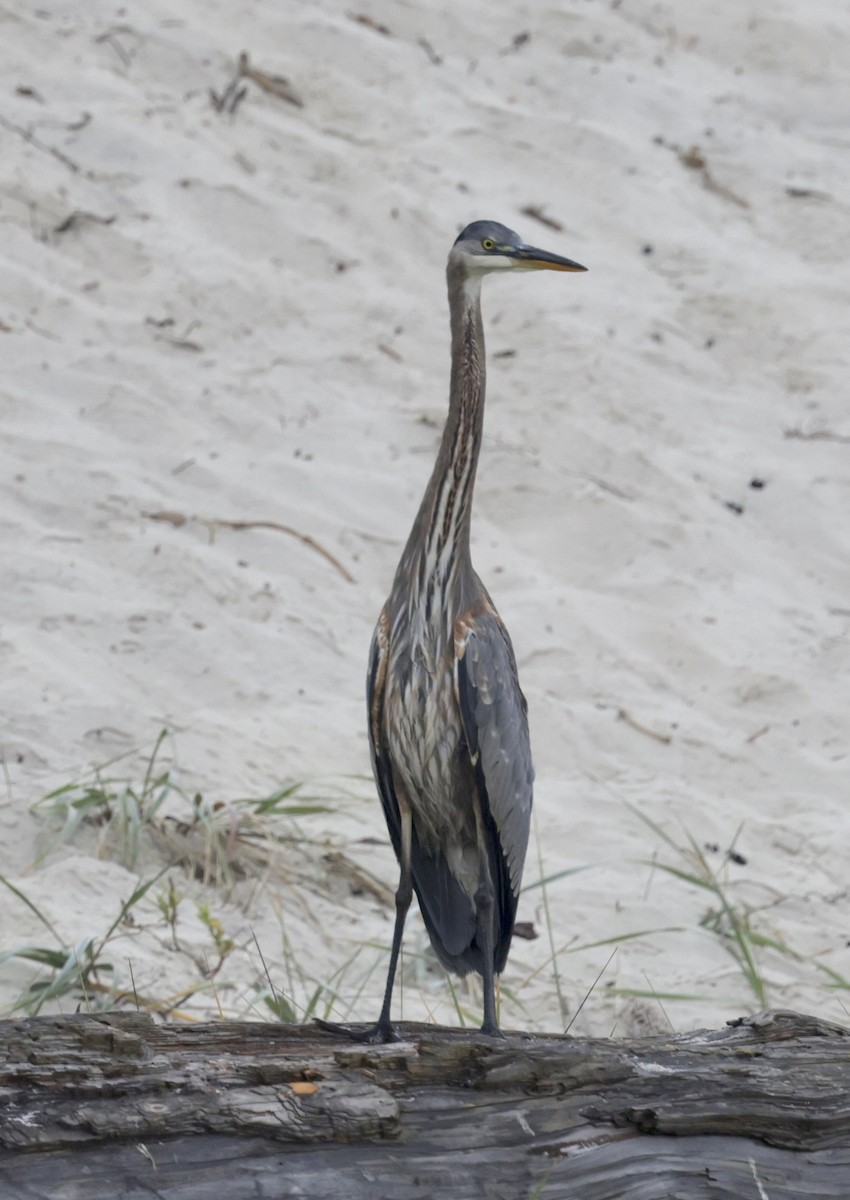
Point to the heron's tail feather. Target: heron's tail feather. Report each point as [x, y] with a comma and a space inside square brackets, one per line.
[449, 914]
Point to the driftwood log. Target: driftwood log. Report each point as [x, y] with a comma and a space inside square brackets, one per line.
[116, 1107]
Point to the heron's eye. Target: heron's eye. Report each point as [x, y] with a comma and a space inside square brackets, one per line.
[488, 244]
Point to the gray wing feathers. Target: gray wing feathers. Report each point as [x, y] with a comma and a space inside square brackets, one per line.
[493, 710]
[375, 681]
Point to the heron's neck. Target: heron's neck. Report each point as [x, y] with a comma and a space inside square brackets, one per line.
[438, 548]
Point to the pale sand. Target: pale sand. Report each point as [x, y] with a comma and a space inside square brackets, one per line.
[641, 401]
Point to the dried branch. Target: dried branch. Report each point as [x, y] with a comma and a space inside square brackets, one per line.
[230, 99]
[623, 715]
[694, 159]
[276, 85]
[369, 22]
[179, 519]
[79, 217]
[816, 435]
[30, 137]
[235, 92]
[430, 51]
[537, 214]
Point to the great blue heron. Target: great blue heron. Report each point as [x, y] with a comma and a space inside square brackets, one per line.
[447, 718]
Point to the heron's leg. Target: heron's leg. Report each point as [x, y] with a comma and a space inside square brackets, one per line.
[485, 898]
[403, 896]
[383, 1030]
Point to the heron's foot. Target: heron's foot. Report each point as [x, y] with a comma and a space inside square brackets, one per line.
[491, 1029]
[374, 1035]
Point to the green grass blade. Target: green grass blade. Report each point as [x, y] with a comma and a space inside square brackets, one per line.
[139, 894]
[555, 876]
[63, 981]
[146, 784]
[654, 994]
[838, 980]
[685, 876]
[54, 959]
[617, 938]
[32, 907]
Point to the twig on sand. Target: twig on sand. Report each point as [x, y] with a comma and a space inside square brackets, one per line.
[816, 435]
[111, 38]
[78, 217]
[30, 137]
[430, 51]
[232, 96]
[805, 193]
[694, 159]
[84, 119]
[276, 85]
[182, 340]
[535, 211]
[369, 22]
[178, 519]
[517, 42]
[623, 715]
[230, 99]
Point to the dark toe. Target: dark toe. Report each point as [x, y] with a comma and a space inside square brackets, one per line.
[374, 1035]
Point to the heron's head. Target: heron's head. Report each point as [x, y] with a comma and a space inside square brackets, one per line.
[488, 246]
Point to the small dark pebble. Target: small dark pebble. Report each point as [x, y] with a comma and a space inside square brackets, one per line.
[735, 857]
[757, 484]
[734, 507]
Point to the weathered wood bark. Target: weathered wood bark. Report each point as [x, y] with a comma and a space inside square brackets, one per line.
[115, 1107]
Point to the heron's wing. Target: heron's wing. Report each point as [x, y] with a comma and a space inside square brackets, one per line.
[375, 685]
[493, 711]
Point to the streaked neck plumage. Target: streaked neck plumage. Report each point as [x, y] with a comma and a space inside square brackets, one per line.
[437, 557]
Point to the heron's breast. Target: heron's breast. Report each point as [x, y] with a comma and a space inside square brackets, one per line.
[425, 736]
